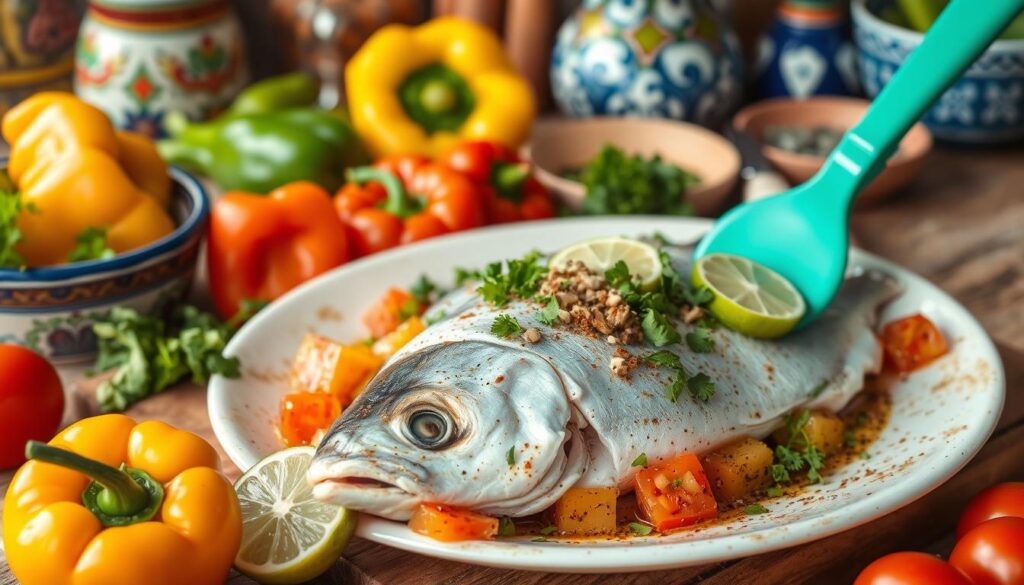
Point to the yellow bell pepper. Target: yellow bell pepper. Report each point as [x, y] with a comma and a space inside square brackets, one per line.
[75, 172]
[112, 502]
[422, 89]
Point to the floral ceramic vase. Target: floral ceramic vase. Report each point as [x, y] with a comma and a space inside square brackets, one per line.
[139, 59]
[37, 39]
[807, 52]
[659, 58]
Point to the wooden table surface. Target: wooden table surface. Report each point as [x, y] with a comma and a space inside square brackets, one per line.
[962, 226]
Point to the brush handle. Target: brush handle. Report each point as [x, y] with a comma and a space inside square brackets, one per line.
[961, 33]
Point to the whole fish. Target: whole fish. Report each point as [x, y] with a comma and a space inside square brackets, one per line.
[504, 427]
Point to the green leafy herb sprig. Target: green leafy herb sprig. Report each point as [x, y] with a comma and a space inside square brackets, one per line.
[10, 234]
[91, 244]
[517, 279]
[699, 385]
[620, 184]
[798, 453]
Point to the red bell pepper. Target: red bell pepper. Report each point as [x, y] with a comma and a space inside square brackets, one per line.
[261, 247]
[675, 493]
[912, 342]
[405, 199]
[513, 193]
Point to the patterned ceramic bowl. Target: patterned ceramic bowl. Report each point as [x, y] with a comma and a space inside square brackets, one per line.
[51, 309]
[985, 106]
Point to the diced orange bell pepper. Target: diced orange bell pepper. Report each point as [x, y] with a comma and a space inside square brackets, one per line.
[305, 413]
[390, 311]
[450, 524]
[324, 365]
[912, 342]
[675, 493]
[389, 345]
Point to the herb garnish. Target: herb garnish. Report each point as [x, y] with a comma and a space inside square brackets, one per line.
[700, 385]
[639, 528]
[10, 233]
[548, 530]
[506, 326]
[510, 457]
[618, 184]
[549, 314]
[849, 438]
[754, 509]
[640, 461]
[520, 279]
[700, 341]
[91, 244]
[774, 491]
[658, 329]
[423, 289]
[798, 453]
[506, 527]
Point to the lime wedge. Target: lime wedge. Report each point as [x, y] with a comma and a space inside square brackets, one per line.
[749, 298]
[288, 536]
[601, 254]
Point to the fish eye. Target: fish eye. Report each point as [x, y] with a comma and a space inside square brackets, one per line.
[429, 429]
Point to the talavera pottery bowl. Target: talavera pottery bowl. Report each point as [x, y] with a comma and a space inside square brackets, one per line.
[839, 113]
[986, 106]
[52, 309]
[563, 144]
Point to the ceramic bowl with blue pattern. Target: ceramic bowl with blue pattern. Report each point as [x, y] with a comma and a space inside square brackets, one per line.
[52, 309]
[986, 106]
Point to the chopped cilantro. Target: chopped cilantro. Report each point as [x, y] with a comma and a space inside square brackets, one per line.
[701, 386]
[675, 389]
[435, 317]
[774, 491]
[520, 279]
[865, 455]
[549, 314]
[797, 453]
[10, 234]
[409, 308]
[754, 509]
[463, 275]
[641, 529]
[640, 461]
[549, 530]
[665, 358]
[423, 289]
[700, 341]
[676, 482]
[91, 244]
[247, 308]
[506, 527]
[510, 457]
[849, 438]
[698, 296]
[506, 326]
[618, 277]
[658, 330]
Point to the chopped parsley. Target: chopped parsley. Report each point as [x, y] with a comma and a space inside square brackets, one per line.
[618, 277]
[510, 457]
[699, 385]
[549, 530]
[658, 329]
[506, 326]
[754, 509]
[774, 491]
[698, 296]
[464, 275]
[639, 528]
[410, 308]
[798, 453]
[423, 289]
[700, 341]
[506, 527]
[521, 278]
[91, 244]
[640, 461]
[549, 314]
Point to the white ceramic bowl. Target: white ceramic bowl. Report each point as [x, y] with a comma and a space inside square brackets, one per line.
[941, 415]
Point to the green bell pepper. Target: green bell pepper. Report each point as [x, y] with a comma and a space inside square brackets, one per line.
[271, 135]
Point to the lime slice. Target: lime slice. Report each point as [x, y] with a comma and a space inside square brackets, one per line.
[287, 535]
[749, 298]
[601, 254]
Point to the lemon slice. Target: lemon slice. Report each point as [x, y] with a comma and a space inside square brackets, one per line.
[601, 254]
[749, 298]
[287, 535]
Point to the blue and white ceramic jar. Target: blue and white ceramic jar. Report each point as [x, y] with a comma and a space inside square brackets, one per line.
[985, 106]
[658, 58]
[806, 52]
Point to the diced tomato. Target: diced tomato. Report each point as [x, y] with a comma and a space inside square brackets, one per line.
[305, 413]
[388, 345]
[450, 524]
[675, 493]
[391, 310]
[911, 343]
[324, 365]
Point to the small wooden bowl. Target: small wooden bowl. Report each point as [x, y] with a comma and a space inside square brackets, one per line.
[834, 112]
[559, 144]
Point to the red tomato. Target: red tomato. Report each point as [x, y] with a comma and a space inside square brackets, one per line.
[31, 402]
[675, 493]
[1005, 499]
[450, 524]
[910, 568]
[912, 342]
[992, 553]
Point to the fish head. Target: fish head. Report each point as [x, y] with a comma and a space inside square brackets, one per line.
[476, 424]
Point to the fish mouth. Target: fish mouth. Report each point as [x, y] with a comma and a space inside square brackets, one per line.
[371, 486]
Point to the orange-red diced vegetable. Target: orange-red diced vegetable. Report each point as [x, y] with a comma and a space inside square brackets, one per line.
[391, 310]
[388, 345]
[912, 342]
[324, 365]
[586, 510]
[675, 493]
[305, 413]
[450, 524]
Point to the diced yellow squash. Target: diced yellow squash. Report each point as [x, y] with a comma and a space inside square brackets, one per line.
[324, 365]
[739, 469]
[388, 345]
[824, 430]
[586, 510]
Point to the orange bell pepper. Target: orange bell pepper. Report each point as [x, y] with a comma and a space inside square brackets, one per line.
[675, 493]
[324, 365]
[261, 247]
[512, 192]
[390, 311]
[406, 199]
[449, 524]
[303, 414]
[912, 342]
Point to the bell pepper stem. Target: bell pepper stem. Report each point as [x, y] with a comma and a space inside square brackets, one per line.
[508, 179]
[399, 202]
[117, 496]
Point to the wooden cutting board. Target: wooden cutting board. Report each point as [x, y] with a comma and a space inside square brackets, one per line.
[925, 525]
